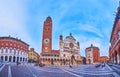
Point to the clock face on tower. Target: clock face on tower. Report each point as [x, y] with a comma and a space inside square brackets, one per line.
[47, 40]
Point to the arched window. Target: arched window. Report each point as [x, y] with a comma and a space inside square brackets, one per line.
[14, 59]
[6, 58]
[23, 59]
[20, 59]
[17, 59]
[10, 50]
[10, 58]
[6, 50]
[18, 52]
[21, 52]
[1, 58]
[14, 51]
[2, 51]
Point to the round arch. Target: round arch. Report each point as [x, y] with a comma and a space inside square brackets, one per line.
[10, 58]
[14, 58]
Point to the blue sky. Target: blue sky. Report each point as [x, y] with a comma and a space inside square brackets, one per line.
[90, 21]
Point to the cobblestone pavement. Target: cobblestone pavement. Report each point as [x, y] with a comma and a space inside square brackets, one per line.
[28, 70]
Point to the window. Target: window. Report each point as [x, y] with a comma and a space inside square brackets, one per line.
[6, 58]
[10, 50]
[18, 52]
[2, 50]
[64, 55]
[6, 51]
[14, 51]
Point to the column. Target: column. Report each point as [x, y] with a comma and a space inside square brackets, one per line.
[15, 58]
[19, 59]
[7, 58]
[11, 58]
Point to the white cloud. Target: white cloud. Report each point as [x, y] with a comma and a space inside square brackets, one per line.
[90, 28]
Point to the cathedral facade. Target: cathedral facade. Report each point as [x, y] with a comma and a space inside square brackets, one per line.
[69, 52]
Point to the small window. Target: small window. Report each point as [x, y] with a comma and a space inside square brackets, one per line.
[10, 50]
[64, 55]
[14, 51]
[2, 50]
[18, 52]
[6, 51]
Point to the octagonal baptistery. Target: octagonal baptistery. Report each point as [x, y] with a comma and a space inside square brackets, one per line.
[13, 50]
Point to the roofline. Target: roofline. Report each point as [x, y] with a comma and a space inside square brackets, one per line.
[5, 37]
[92, 47]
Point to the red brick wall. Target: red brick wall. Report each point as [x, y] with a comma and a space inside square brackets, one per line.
[47, 33]
[96, 54]
[103, 59]
[11, 43]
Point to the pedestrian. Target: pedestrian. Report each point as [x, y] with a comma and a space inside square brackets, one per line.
[70, 66]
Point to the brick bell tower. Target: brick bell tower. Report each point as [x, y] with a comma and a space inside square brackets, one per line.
[47, 36]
